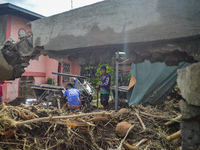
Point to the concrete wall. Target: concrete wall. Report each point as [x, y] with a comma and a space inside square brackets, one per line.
[146, 30]
[118, 22]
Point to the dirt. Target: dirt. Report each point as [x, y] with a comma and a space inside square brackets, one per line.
[18, 101]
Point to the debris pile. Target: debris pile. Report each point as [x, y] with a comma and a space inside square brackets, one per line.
[34, 128]
[25, 90]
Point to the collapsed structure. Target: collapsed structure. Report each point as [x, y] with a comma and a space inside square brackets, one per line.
[159, 31]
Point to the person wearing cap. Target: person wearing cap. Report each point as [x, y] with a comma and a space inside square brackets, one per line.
[105, 87]
[74, 97]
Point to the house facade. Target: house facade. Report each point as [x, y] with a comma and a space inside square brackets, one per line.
[13, 24]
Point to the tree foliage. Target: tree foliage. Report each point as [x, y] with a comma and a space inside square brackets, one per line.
[50, 81]
[97, 79]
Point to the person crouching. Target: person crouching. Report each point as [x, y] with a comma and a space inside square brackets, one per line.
[74, 96]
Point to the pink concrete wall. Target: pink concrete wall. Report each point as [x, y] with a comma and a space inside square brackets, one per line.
[16, 24]
[44, 64]
[51, 66]
[75, 69]
[37, 65]
[13, 90]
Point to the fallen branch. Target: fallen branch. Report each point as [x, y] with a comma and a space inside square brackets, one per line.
[174, 136]
[122, 141]
[142, 123]
[59, 117]
[173, 120]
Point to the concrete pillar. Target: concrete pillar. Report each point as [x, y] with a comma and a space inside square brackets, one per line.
[189, 83]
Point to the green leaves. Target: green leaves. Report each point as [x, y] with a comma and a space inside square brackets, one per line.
[97, 79]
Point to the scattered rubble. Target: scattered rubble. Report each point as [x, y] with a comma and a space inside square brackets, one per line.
[34, 127]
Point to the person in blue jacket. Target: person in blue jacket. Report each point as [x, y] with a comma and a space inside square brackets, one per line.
[74, 96]
[105, 87]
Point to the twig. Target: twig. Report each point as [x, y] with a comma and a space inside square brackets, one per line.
[146, 148]
[142, 123]
[108, 122]
[173, 120]
[53, 146]
[58, 100]
[154, 116]
[58, 117]
[174, 136]
[11, 143]
[76, 133]
[122, 141]
[24, 147]
[64, 105]
[93, 140]
[48, 129]
[129, 147]
[142, 141]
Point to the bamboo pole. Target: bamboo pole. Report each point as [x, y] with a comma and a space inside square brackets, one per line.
[59, 117]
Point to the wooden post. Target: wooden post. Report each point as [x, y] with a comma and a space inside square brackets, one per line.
[97, 98]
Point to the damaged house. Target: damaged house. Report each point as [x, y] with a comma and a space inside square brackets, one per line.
[13, 24]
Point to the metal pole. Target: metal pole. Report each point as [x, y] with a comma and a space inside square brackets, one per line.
[116, 87]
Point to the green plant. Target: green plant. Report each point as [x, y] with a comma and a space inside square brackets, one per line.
[50, 81]
[128, 77]
[97, 79]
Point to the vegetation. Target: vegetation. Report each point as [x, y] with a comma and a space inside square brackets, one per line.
[50, 81]
[128, 77]
[96, 80]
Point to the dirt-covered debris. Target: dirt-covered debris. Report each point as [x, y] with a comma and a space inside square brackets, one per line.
[33, 127]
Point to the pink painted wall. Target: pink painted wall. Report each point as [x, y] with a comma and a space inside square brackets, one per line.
[75, 69]
[16, 24]
[12, 90]
[37, 65]
[51, 66]
[44, 64]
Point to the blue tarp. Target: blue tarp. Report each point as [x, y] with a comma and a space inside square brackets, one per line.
[154, 82]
